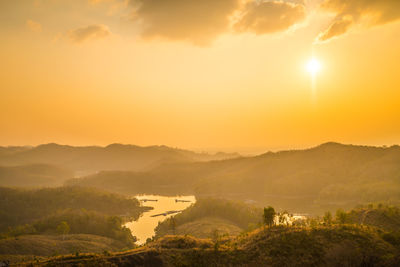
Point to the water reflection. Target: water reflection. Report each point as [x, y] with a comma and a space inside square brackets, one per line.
[144, 227]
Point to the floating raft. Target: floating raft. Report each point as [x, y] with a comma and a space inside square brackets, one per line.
[145, 200]
[166, 213]
[181, 200]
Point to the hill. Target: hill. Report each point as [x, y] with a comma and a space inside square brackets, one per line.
[382, 216]
[277, 246]
[91, 159]
[63, 223]
[208, 217]
[326, 177]
[50, 245]
[33, 175]
[19, 207]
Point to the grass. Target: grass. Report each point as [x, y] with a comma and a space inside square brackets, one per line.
[205, 228]
[339, 245]
[51, 245]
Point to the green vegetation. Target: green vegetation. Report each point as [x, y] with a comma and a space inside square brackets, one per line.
[51, 245]
[269, 216]
[273, 246]
[382, 216]
[365, 236]
[329, 178]
[207, 215]
[64, 220]
[76, 222]
[204, 228]
[385, 218]
[19, 207]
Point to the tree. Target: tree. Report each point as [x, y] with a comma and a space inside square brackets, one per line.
[269, 215]
[216, 239]
[328, 218]
[172, 224]
[63, 228]
[341, 216]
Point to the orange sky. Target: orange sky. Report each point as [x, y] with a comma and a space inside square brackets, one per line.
[209, 75]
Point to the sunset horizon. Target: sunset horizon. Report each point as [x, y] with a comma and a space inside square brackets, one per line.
[200, 133]
[93, 74]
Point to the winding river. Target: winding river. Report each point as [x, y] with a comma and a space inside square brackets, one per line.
[143, 228]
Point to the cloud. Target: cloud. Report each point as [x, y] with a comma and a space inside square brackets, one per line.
[198, 21]
[270, 17]
[337, 28]
[358, 12]
[202, 21]
[91, 32]
[33, 26]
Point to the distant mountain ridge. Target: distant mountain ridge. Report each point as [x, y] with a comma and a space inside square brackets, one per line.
[89, 159]
[325, 177]
[33, 175]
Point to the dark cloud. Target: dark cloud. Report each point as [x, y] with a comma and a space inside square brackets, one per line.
[199, 21]
[91, 32]
[270, 16]
[365, 12]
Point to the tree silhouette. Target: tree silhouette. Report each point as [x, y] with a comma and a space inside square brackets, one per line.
[341, 216]
[172, 224]
[328, 218]
[269, 215]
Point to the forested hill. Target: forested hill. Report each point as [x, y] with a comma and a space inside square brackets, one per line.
[19, 207]
[94, 158]
[342, 245]
[329, 176]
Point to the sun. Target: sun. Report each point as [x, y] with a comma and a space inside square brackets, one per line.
[313, 66]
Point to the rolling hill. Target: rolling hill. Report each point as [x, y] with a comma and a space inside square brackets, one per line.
[33, 175]
[277, 246]
[329, 176]
[19, 206]
[91, 159]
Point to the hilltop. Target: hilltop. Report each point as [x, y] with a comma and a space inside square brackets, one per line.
[90, 159]
[313, 180]
[208, 217]
[22, 206]
[277, 246]
[64, 220]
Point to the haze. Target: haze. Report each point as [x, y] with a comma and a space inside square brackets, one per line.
[103, 71]
[199, 133]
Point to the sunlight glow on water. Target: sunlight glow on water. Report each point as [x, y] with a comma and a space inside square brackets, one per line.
[144, 227]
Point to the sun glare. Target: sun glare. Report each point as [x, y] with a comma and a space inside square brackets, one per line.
[313, 66]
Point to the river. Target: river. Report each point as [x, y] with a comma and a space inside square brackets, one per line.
[143, 228]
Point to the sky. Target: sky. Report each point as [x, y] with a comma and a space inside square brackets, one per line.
[206, 75]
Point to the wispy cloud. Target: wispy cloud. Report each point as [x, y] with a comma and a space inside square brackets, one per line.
[358, 12]
[33, 26]
[91, 32]
[269, 17]
[201, 22]
[197, 21]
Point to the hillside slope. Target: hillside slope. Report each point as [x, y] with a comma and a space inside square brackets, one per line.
[90, 159]
[208, 217]
[277, 246]
[313, 180]
[19, 207]
[33, 175]
[50, 245]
